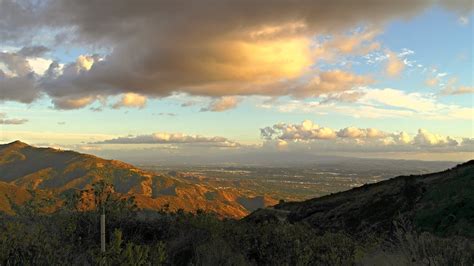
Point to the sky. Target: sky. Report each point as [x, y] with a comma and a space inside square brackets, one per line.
[151, 79]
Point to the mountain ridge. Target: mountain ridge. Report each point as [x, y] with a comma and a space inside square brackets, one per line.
[55, 170]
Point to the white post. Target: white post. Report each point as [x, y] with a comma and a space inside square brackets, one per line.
[102, 230]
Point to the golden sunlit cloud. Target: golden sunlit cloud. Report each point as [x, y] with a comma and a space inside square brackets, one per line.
[432, 82]
[131, 100]
[222, 104]
[75, 103]
[394, 65]
[357, 43]
[85, 62]
[256, 61]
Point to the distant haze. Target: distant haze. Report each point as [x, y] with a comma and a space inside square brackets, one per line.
[255, 158]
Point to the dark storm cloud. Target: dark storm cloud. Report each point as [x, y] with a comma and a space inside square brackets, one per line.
[33, 51]
[15, 63]
[20, 89]
[18, 81]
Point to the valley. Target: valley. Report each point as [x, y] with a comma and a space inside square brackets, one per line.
[295, 183]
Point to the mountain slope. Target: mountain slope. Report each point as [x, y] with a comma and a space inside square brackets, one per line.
[27, 167]
[11, 194]
[442, 203]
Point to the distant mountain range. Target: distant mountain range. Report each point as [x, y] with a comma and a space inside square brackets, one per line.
[442, 203]
[26, 170]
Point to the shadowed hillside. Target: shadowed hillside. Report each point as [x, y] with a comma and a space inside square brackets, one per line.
[25, 167]
[442, 203]
[11, 194]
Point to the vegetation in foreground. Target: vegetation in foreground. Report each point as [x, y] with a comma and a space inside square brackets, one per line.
[71, 236]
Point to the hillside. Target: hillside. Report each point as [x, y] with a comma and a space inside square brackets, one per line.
[25, 167]
[11, 194]
[442, 203]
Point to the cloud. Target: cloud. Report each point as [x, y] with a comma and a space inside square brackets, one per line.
[11, 121]
[15, 63]
[457, 91]
[206, 48]
[331, 82]
[96, 109]
[463, 20]
[348, 97]
[452, 88]
[39, 65]
[68, 103]
[394, 64]
[21, 89]
[424, 106]
[188, 104]
[59, 137]
[222, 104]
[377, 103]
[402, 138]
[468, 144]
[33, 51]
[74, 147]
[432, 82]
[312, 84]
[85, 62]
[425, 138]
[167, 114]
[88, 148]
[17, 78]
[172, 138]
[400, 99]
[309, 135]
[356, 133]
[356, 43]
[131, 100]
[307, 130]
